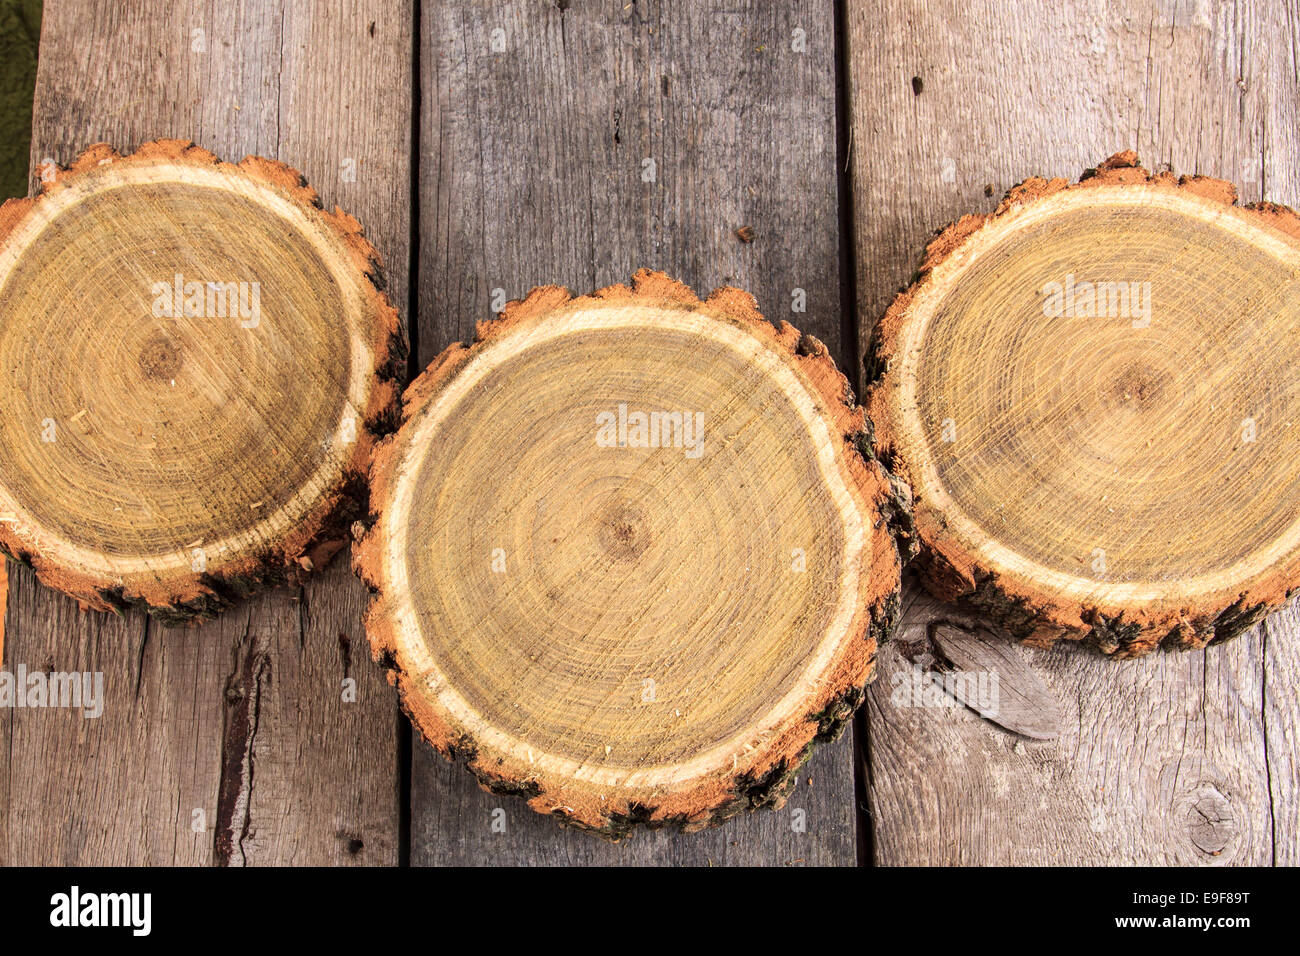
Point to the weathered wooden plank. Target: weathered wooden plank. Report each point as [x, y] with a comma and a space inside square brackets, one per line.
[571, 144]
[1282, 730]
[1277, 42]
[124, 786]
[1162, 760]
[242, 720]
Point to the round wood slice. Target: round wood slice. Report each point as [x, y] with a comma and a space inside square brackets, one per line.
[1092, 393]
[631, 624]
[195, 358]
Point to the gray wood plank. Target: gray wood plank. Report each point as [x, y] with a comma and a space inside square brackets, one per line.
[1282, 731]
[532, 158]
[122, 787]
[189, 713]
[1170, 759]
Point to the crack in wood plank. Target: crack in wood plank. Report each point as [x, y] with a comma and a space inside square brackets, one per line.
[249, 680]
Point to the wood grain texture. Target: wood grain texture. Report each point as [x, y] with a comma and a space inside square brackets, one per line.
[243, 718]
[165, 471]
[1119, 470]
[1173, 759]
[532, 158]
[603, 626]
[938, 638]
[1020, 701]
[1281, 716]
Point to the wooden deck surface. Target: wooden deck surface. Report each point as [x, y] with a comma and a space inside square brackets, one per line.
[489, 147]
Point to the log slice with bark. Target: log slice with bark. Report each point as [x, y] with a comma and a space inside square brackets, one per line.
[1092, 394]
[630, 561]
[196, 360]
